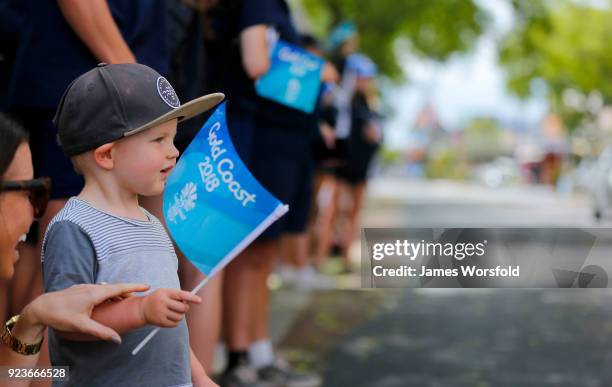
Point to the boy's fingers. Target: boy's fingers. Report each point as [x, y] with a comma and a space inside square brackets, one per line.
[174, 317]
[96, 329]
[182, 295]
[178, 307]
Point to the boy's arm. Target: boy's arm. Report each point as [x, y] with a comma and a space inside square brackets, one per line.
[70, 259]
[121, 316]
[93, 23]
[199, 378]
[164, 308]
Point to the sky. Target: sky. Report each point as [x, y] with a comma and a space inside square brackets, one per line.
[466, 86]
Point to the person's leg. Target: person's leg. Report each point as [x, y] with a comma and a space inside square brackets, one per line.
[245, 295]
[311, 236]
[244, 304]
[294, 249]
[262, 266]
[352, 224]
[237, 290]
[294, 241]
[326, 199]
[286, 266]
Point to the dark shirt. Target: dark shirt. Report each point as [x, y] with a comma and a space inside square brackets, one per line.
[229, 19]
[51, 55]
[270, 113]
[11, 23]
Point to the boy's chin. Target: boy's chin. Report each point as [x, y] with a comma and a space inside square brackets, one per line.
[153, 191]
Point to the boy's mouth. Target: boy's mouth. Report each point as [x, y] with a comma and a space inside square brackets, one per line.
[166, 171]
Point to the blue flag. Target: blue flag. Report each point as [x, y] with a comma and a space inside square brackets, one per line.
[294, 77]
[213, 206]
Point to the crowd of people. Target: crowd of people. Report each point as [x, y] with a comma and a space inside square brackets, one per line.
[89, 141]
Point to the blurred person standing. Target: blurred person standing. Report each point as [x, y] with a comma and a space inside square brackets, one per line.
[273, 141]
[238, 56]
[343, 42]
[295, 267]
[282, 162]
[363, 141]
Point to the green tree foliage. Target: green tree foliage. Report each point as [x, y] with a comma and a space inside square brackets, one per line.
[431, 28]
[565, 44]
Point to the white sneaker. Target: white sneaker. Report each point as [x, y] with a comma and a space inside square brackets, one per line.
[308, 278]
[287, 274]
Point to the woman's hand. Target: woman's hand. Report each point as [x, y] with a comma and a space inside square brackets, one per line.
[70, 310]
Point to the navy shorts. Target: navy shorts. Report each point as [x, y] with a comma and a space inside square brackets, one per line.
[241, 127]
[47, 156]
[284, 165]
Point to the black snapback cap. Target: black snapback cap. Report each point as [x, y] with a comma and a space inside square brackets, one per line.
[113, 101]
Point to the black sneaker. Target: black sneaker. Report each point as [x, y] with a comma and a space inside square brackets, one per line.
[280, 374]
[242, 376]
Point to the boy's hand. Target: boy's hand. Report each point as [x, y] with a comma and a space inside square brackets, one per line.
[166, 307]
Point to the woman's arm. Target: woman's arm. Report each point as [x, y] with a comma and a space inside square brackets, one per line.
[29, 329]
[254, 50]
[121, 316]
[164, 308]
[93, 23]
[67, 310]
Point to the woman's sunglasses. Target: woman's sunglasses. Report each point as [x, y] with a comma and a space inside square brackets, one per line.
[39, 190]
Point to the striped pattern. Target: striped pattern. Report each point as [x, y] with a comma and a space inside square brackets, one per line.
[111, 234]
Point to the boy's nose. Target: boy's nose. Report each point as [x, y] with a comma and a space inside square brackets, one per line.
[174, 152]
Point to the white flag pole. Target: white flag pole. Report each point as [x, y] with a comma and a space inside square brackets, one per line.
[280, 210]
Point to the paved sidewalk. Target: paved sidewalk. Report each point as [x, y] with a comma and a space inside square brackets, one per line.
[452, 337]
[469, 338]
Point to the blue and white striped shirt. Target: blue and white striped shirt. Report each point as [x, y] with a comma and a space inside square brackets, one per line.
[86, 245]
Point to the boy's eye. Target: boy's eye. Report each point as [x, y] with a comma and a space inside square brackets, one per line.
[159, 139]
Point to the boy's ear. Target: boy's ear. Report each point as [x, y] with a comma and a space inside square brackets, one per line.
[103, 155]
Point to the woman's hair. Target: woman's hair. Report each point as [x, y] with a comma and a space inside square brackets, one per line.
[11, 136]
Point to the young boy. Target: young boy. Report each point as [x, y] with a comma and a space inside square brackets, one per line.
[117, 123]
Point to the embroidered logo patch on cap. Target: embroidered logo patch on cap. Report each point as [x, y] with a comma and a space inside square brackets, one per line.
[167, 93]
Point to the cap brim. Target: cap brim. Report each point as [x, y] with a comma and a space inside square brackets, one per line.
[184, 112]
